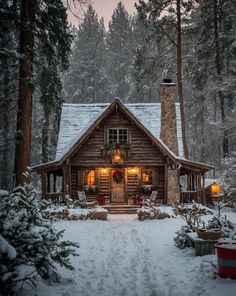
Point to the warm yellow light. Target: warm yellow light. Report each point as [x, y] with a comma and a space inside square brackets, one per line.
[91, 178]
[145, 178]
[104, 171]
[215, 188]
[117, 158]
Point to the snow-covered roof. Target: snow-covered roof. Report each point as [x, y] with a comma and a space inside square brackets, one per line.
[77, 118]
[209, 182]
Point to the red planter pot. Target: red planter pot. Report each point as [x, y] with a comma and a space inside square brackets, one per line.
[226, 258]
[101, 200]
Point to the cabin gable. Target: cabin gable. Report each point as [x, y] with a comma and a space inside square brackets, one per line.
[142, 151]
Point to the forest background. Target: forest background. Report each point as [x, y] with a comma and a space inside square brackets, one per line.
[127, 59]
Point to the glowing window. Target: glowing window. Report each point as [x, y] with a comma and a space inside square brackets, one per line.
[147, 177]
[89, 178]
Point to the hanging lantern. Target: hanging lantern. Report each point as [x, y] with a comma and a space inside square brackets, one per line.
[117, 156]
[215, 188]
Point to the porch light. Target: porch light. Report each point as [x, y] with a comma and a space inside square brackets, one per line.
[132, 171]
[104, 171]
[215, 188]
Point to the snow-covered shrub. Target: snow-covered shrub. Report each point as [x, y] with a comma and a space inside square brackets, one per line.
[181, 240]
[151, 213]
[66, 213]
[31, 242]
[192, 214]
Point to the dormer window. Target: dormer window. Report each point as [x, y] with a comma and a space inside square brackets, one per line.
[117, 135]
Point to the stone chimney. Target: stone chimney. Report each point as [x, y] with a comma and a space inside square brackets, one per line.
[168, 115]
[169, 136]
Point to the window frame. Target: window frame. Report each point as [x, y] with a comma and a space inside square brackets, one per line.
[84, 177]
[117, 135]
[152, 176]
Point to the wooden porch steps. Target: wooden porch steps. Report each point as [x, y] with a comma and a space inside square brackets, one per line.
[122, 208]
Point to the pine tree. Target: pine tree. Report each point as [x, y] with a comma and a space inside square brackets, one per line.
[120, 56]
[28, 240]
[210, 61]
[8, 89]
[146, 69]
[170, 26]
[86, 80]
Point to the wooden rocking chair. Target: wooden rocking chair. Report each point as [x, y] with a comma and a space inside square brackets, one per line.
[151, 200]
[82, 201]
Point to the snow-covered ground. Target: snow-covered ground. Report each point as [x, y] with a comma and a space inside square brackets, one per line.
[123, 256]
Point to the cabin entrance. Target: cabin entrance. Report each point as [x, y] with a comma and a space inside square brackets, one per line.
[117, 186]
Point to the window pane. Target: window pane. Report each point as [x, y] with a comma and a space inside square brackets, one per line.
[147, 177]
[89, 178]
[123, 136]
[112, 136]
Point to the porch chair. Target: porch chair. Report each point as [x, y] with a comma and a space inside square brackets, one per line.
[82, 201]
[151, 200]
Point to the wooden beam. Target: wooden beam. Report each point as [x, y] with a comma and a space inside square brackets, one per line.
[166, 184]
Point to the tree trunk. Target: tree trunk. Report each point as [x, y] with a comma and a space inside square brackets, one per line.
[202, 153]
[225, 142]
[24, 113]
[45, 131]
[179, 78]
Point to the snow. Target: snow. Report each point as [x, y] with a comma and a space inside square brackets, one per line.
[209, 182]
[3, 192]
[77, 118]
[7, 249]
[228, 245]
[123, 256]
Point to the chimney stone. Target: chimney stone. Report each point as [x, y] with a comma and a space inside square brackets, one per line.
[168, 115]
[169, 137]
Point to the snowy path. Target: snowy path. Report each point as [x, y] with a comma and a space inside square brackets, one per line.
[123, 256]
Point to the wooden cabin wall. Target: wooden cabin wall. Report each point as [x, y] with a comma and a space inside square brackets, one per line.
[132, 182]
[74, 182]
[143, 152]
[104, 183]
[161, 183]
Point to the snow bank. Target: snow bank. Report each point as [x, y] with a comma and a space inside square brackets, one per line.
[127, 257]
[76, 214]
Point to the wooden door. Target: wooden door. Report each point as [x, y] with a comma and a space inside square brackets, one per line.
[117, 189]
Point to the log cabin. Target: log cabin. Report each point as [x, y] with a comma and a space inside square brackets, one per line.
[121, 150]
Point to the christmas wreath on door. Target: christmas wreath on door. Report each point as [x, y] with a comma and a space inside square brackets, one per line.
[118, 176]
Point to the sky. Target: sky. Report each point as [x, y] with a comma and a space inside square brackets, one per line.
[104, 8]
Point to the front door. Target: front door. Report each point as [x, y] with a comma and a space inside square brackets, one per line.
[117, 186]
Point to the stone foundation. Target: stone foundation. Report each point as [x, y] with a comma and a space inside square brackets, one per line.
[173, 194]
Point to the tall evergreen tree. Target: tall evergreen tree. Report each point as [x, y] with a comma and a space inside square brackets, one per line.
[8, 89]
[120, 56]
[211, 64]
[41, 42]
[170, 26]
[86, 80]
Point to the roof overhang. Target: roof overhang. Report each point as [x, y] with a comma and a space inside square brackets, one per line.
[190, 166]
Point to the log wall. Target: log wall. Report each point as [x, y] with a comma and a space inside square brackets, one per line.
[143, 152]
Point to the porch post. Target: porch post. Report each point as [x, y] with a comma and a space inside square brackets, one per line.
[203, 188]
[66, 177]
